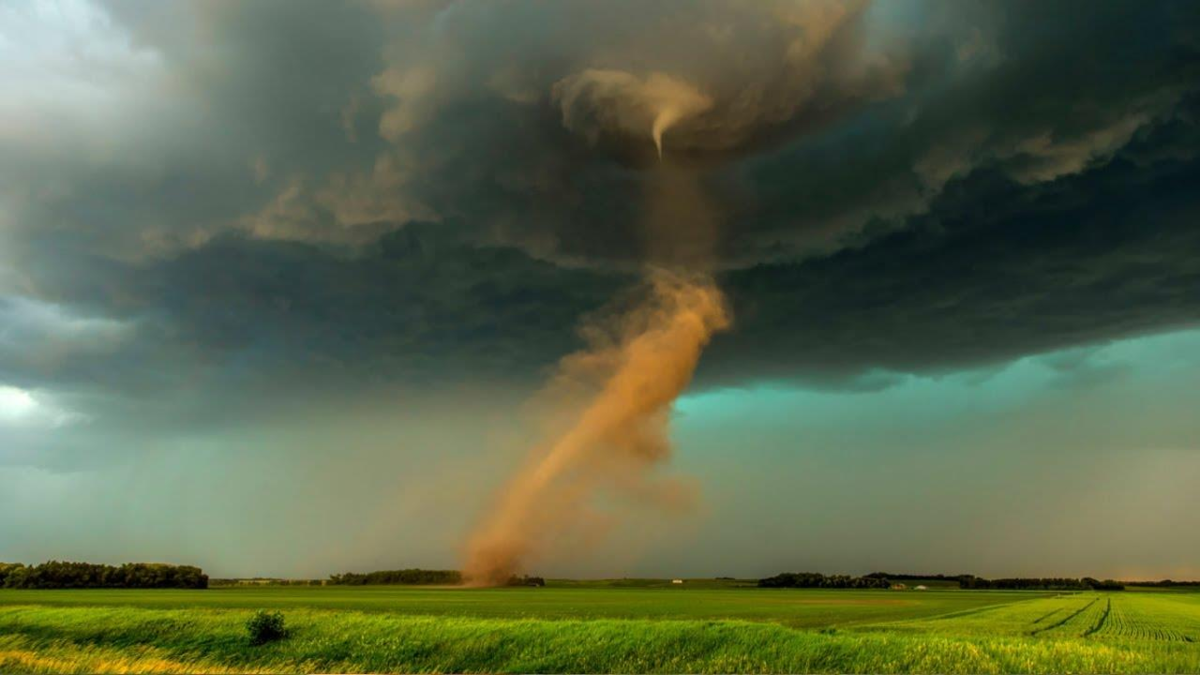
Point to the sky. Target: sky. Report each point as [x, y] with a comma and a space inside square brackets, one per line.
[282, 284]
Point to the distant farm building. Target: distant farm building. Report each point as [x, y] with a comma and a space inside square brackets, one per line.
[922, 588]
[677, 581]
[899, 587]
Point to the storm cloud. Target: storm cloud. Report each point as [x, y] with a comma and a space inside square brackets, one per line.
[218, 177]
[220, 213]
[289, 236]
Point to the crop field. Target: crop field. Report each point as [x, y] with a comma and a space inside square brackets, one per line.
[616, 627]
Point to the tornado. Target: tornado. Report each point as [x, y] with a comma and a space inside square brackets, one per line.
[619, 434]
[636, 364]
[607, 428]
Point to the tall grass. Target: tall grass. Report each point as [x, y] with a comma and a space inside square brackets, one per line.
[130, 639]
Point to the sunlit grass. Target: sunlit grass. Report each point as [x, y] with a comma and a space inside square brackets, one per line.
[1123, 633]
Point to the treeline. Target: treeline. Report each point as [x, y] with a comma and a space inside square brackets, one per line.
[916, 577]
[969, 581]
[59, 574]
[1041, 584]
[818, 580]
[415, 577]
[1014, 583]
[526, 580]
[1165, 583]
[265, 581]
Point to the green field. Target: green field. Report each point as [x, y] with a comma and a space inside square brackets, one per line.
[614, 627]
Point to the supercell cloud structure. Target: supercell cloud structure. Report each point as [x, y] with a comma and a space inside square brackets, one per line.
[222, 213]
[423, 184]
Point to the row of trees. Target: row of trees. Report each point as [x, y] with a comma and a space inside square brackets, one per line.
[413, 577]
[61, 574]
[885, 580]
[916, 577]
[266, 581]
[1041, 584]
[526, 580]
[416, 577]
[818, 580]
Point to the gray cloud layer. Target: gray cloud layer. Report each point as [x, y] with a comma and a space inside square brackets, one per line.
[247, 198]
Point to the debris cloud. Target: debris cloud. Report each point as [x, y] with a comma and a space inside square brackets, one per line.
[630, 375]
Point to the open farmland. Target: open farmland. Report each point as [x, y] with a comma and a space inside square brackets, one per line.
[601, 628]
[811, 608]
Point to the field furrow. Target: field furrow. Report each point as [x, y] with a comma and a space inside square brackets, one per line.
[1071, 623]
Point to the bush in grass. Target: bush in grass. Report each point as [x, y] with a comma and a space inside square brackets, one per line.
[265, 627]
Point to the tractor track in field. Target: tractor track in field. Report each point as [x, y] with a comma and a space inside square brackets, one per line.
[1065, 619]
[1048, 615]
[1102, 620]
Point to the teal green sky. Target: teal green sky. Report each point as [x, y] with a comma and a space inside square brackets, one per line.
[1082, 461]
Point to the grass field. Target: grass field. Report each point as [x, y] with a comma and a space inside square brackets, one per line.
[618, 627]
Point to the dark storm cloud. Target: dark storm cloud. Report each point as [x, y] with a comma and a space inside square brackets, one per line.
[412, 192]
[419, 305]
[1001, 270]
[1009, 92]
[994, 271]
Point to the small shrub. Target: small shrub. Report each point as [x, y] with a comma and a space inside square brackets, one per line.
[265, 627]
